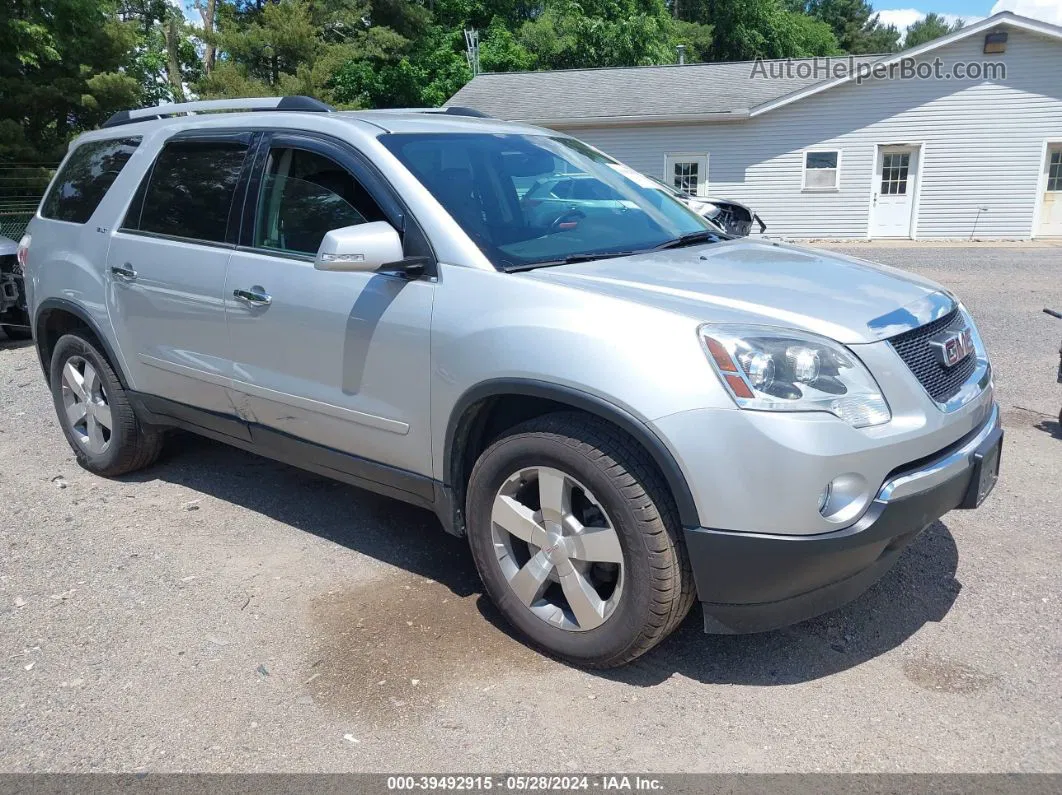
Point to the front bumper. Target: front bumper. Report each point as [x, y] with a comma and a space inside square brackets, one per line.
[753, 582]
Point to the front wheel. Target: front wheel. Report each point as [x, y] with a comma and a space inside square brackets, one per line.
[577, 541]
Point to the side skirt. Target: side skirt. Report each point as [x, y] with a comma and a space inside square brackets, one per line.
[364, 473]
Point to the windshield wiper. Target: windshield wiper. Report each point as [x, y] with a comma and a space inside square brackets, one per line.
[690, 239]
[568, 260]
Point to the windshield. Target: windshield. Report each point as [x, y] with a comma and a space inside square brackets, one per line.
[531, 200]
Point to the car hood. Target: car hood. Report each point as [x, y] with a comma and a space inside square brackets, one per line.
[766, 283]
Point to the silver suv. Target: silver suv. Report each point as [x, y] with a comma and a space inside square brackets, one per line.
[622, 409]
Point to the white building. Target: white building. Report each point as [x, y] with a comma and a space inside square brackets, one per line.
[817, 155]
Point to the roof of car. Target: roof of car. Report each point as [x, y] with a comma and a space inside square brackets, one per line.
[414, 120]
[298, 112]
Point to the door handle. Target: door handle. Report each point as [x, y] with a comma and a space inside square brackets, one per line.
[124, 273]
[256, 296]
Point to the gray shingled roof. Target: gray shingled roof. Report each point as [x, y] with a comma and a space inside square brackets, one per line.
[578, 94]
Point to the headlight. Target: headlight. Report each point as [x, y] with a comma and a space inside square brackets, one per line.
[781, 370]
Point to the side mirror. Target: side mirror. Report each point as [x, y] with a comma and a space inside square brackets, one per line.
[363, 247]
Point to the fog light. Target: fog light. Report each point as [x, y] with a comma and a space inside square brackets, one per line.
[844, 498]
[824, 498]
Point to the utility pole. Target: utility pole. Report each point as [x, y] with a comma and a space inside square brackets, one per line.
[472, 50]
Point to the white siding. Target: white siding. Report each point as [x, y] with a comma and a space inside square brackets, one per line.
[983, 144]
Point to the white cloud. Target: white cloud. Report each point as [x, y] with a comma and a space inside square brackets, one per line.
[903, 18]
[1044, 10]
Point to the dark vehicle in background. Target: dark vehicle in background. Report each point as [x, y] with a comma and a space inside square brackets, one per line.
[732, 217]
[565, 198]
[551, 200]
[1054, 313]
[14, 319]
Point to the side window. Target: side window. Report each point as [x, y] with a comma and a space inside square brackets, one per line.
[189, 190]
[304, 196]
[563, 189]
[84, 180]
[589, 189]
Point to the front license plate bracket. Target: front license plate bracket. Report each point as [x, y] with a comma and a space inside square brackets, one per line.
[985, 470]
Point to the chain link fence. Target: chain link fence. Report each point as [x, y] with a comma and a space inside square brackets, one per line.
[21, 187]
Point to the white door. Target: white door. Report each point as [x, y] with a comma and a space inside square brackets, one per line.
[687, 173]
[894, 190]
[1051, 209]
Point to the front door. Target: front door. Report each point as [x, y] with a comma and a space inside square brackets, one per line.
[687, 173]
[166, 271]
[338, 359]
[1051, 208]
[894, 190]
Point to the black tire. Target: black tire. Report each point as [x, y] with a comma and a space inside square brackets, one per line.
[17, 333]
[658, 586]
[132, 445]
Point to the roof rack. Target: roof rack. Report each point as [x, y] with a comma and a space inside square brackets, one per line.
[453, 110]
[457, 110]
[297, 103]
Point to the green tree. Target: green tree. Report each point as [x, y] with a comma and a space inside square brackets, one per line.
[163, 58]
[62, 70]
[619, 33]
[501, 51]
[748, 29]
[930, 27]
[697, 37]
[428, 73]
[858, 29]
[292, 46]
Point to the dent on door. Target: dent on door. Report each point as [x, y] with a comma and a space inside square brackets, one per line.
[339, 359]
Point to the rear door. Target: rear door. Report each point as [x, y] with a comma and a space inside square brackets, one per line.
[166, 269]
[338, 359]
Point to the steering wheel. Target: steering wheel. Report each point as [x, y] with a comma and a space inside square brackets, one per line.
[567, 220]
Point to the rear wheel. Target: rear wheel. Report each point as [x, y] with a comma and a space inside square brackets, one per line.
[94, 411]
[577, 540]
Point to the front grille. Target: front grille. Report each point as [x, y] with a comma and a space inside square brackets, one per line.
[942, 383]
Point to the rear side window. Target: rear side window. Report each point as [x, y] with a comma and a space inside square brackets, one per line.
[85, 178]
[189, 191]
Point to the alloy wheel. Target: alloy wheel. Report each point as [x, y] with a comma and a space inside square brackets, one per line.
[85, 401]
[557, 548]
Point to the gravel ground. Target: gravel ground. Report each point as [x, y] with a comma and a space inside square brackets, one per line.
[220, 612]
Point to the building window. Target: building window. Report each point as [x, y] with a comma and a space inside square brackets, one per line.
[895, 168]
[1054, 171]
[822, 170]
[687, 173]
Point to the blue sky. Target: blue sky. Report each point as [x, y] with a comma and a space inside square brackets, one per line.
[903, 12]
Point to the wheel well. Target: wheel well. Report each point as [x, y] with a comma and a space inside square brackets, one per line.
[53, 324]
[485, 420]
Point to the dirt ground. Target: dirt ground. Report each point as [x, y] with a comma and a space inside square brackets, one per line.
[221, 612]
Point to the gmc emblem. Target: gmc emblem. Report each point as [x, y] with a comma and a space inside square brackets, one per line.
[953, 345]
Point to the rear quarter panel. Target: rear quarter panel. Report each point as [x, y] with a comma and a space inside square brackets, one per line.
[68, 260]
